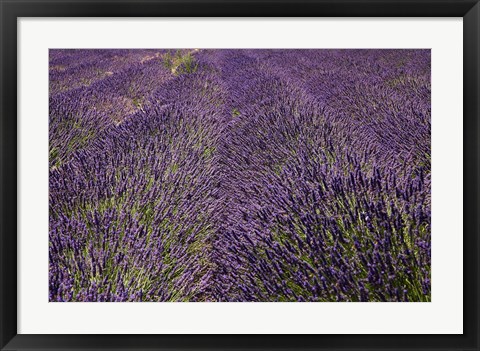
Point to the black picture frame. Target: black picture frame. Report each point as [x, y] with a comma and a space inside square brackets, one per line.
[11, 10]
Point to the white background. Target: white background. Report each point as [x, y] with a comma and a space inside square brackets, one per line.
[442, 315]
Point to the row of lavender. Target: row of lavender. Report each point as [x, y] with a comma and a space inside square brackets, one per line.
[256, 175]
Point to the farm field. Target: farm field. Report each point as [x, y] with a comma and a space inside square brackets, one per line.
[239, 175]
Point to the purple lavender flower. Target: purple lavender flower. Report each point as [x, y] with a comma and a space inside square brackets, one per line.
[240, 175]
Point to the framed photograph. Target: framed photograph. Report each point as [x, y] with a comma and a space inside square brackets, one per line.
[239, 175]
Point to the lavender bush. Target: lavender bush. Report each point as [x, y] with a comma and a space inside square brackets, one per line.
[240, 175]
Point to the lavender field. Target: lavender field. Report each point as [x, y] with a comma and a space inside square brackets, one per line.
[239, 175]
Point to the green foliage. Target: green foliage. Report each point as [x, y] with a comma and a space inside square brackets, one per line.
[180, 63]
